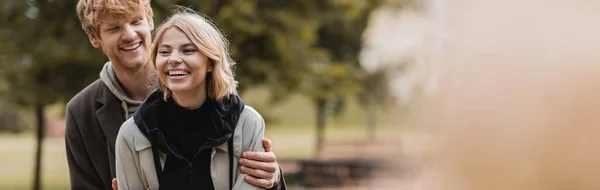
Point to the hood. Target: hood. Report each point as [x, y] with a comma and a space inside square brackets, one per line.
[224, 117]
[109, 78]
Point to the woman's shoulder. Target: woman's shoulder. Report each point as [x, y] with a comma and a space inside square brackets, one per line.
[129, 130]
[249, 130]
[128, 127]
[250, 116]
[250, 120]
[250, 113]
[132, 135]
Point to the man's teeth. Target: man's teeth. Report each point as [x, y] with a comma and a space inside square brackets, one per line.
[132, 47]
[177, 73]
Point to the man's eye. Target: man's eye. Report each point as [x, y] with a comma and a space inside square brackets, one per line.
[137, 21]
[113, 28]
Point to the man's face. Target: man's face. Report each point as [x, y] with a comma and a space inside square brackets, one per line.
[126, 42]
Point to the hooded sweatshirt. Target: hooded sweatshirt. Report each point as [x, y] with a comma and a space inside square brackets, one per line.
[109, 78]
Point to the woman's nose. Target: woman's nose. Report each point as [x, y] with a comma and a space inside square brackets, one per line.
[174, 59]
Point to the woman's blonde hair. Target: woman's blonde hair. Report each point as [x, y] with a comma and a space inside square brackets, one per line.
[209, 40]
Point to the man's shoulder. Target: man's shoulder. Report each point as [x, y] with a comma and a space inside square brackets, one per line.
[85, 97]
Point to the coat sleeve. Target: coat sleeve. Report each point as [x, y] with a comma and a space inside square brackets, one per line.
[281, 183]
[256, 131]
[81, 171]
[128, 176]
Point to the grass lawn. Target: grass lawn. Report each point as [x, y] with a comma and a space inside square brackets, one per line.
[293, 136]
[17, 152]
[17, 162]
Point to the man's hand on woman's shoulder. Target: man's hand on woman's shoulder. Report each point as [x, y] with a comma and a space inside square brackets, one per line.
[261, 167]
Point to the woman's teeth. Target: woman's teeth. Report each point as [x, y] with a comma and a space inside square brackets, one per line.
[177, 73]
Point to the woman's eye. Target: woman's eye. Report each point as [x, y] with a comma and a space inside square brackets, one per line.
[188, 50]
[163, 52]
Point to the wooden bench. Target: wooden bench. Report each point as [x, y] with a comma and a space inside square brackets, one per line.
[341, 172]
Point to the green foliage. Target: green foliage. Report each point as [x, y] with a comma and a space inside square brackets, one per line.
[375, 85]
[46, 57]
[306, 46]
[309, 47]
[270, 40]
[337, 74]
[277, 43]
[10, 121]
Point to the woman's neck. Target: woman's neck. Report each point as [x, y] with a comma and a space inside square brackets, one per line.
[190, 99]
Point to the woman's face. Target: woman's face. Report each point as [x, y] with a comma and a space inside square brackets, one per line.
[180, 66]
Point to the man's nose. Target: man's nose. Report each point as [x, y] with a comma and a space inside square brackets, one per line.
[128, 33]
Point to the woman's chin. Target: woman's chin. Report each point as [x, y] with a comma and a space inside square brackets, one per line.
[177, 89]
[184, 88]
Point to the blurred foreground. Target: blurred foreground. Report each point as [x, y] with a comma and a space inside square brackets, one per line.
[517, 100]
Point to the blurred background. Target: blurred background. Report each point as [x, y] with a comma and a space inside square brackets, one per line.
[298, 65]
[357, 94]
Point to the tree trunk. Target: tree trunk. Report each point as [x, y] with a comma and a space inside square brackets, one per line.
[371, 110]
[373, 92]
[320, 126]
[39, 114]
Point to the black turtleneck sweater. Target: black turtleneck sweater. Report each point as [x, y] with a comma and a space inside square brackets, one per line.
[186, 132]
[186, 129]
[187, 137]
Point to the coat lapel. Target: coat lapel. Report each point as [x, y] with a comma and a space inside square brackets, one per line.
[110, 115]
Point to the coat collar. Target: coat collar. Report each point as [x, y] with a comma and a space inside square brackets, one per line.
[142, 143]
[223, 147]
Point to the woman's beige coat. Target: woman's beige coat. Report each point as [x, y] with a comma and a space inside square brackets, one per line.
[135, 165]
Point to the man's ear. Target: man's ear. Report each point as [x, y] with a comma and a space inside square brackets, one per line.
[95, 41]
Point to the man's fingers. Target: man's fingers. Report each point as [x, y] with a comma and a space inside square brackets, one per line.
[265, 166]
[256, 173]
[114, 184]
[259, 182]
[267, 144]
[260, 156]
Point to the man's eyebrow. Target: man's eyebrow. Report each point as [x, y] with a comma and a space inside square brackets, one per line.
[109, 24]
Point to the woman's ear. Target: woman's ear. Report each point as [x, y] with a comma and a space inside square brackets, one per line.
[211, 65]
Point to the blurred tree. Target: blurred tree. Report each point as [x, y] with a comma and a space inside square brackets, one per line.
[377, 94]
[45, 56]
[9, 118]
[270, 40]
[328, 86]
[291, 46]
[336, 74]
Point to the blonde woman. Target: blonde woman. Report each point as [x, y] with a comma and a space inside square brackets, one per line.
[190, 133]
